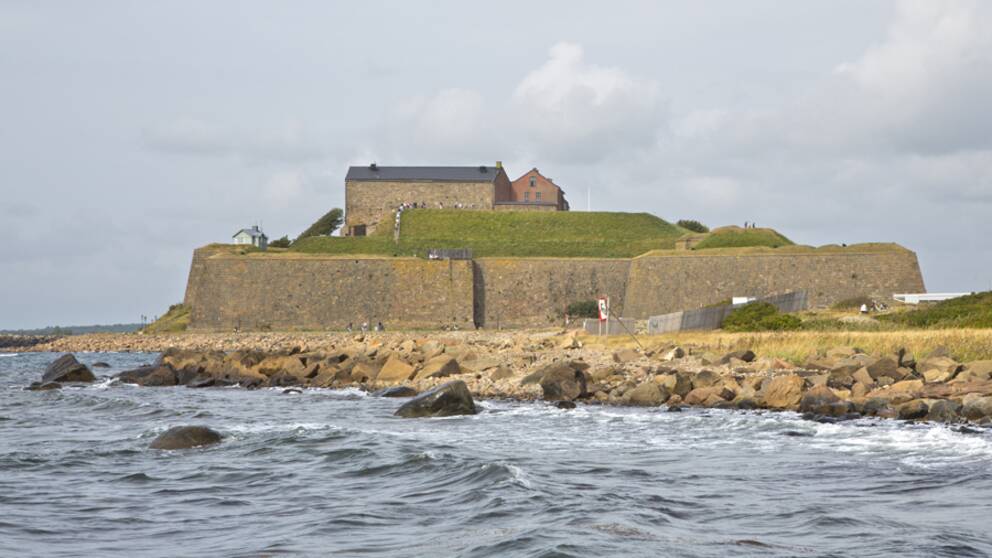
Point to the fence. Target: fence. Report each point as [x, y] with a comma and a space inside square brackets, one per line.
[712, 318]
[593, 327]
[449, 254]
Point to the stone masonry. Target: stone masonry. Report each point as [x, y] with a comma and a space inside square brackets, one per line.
[282, 291]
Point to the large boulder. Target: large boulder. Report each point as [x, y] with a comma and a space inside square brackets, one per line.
[944, 410]
[977, 408]
[938, 369]
[708, 396]
[647, 394]
[396, 391]
[149, 376]
[67, 369]
[395, 370]
[885, 366]
[286, 364]
[978, 370]
[913, 410]
[821, 400]
[679, 383]
[564, 383]
[783, 392]
[452, 398]
[184, 437]
[440, 366]
[705, 379]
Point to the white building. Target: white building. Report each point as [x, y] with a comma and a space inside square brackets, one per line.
[252, 236]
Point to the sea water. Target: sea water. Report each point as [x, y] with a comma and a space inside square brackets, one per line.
[332, 472]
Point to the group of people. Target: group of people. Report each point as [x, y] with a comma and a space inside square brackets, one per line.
[748, 225]
[365, 327]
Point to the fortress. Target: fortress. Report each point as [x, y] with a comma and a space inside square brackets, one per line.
[348, 282]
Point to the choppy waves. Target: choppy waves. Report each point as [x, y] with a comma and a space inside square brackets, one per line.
[333, 472]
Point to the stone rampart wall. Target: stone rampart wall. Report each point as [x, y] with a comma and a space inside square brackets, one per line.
[533, 292]
[262, 292]
[297, 292]
[669, 283]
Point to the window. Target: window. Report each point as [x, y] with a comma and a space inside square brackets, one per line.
[526, 196]
[537, 195]
[533, 181]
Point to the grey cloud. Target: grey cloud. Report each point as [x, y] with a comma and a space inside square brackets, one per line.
[187, 136]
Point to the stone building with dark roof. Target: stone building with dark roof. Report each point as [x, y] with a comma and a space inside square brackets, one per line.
[373, 193]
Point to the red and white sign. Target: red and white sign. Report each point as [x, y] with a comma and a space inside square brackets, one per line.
[604, 308]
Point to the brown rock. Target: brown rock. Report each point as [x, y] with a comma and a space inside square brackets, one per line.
[862, 375]
[944, 410]
[706, 378]
[563, 383]
[978, 370]
[647, 394]
[705, 395]
[272, 365]
[150, 376]
[947, 366]
[977, 408]
[821, 400]
[439, 367]
[67, 369]
[185, 437]
[859, 390]
[913, 410]
[884, 367]
[783, 392]
[746, 356]
[626, 355]
[501, 373]
[363, 372]
[452, 398]
[395, 370]
[906, 386]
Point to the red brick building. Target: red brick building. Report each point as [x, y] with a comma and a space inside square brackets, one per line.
[535, 189]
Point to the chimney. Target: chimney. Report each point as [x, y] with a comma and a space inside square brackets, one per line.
[499, 164]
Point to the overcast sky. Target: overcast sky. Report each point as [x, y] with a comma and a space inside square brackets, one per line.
[133, 132]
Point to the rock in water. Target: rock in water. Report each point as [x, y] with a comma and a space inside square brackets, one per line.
[396, 391]
[67, 369]
[822, 401]
[452, 398]
[783, 392]
[151, 376]
[648, 394]
[39, 386]
[563, 383]
[184, 437]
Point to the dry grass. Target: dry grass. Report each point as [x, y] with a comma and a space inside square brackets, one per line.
[964, 344]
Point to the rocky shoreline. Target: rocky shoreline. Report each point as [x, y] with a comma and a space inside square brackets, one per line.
[841, 383]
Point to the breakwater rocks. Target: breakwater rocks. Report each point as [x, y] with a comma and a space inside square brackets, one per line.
[23, 342]
[837, 384]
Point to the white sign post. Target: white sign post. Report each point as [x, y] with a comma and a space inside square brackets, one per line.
[604, 314]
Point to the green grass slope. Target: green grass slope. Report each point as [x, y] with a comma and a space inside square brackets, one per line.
[511, 234]
[173, 321]
[966, 311]
[737, 237]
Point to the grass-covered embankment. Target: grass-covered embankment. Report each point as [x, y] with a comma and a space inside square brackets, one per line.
[972, 311]
[737, 237]
[174, 321]
[511, 234]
